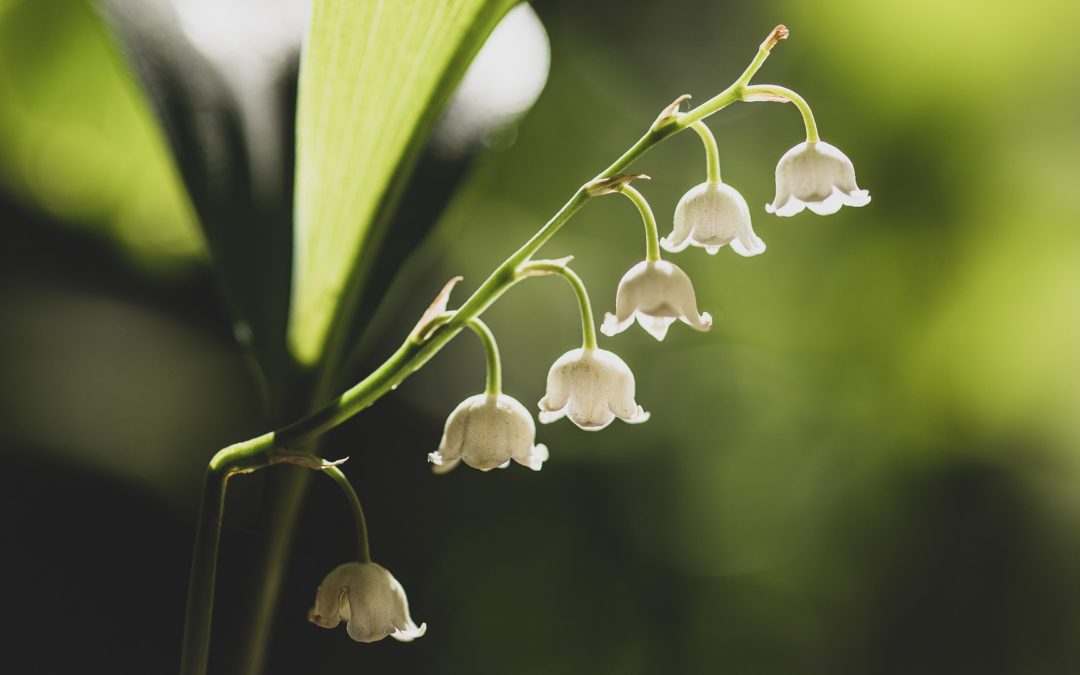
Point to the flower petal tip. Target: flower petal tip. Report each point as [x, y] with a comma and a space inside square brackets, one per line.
[612, 326]
[548, 416]
[673, 247]
[409, 633]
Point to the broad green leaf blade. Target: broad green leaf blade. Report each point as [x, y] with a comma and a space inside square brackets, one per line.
[374, 75]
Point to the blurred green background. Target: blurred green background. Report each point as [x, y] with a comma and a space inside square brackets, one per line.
[869, 465]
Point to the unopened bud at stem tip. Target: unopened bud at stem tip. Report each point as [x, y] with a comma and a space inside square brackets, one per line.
[779, 33]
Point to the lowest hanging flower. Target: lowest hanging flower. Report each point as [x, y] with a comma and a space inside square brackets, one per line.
[369, 599]
[817, 176]
[592, 387]
[655, 293]
[487, 431]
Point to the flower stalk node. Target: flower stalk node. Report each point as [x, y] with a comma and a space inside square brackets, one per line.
[543, 268]
[436, 309]
[616, 183]
[670, 113]
[306, 460]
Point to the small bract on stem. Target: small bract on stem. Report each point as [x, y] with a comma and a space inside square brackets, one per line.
[589, 385]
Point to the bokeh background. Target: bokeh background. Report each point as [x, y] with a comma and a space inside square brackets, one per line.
[869, 465]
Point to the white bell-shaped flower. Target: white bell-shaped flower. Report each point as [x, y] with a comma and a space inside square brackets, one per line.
[817, 176]
[655, 293]
[487, 431]
[712, 215]
[370, 599]
[592, 387]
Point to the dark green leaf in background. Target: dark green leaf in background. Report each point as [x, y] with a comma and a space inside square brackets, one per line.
[231, 131]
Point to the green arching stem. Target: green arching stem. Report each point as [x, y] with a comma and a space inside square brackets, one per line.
[364, 550]
[723, 99]
[712, 153]
[491, 349]
[799, 101]
[247, 457]
[407, 359]
[652, 236]
[588, 326]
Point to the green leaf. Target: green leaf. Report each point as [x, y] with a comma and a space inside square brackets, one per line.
[77, 142]
[374, 76]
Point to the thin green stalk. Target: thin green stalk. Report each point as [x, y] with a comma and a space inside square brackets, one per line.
[800, 103]
[588, 326]
[652, 236]
[364, 552]
[712, 152]
[491, 350]
[407, 359]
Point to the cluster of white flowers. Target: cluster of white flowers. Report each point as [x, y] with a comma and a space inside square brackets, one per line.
[589, 385]
[593, 386]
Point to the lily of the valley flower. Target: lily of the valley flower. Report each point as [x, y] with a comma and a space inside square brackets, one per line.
[817, 176]
[592, 387]
[712, 215]
[487, 431]
[370, 599]
[655, 293]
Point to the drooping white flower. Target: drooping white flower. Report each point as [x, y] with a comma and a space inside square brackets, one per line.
[487, 431]
[712, 215]
[370, 599]
[817, 176]
[655, 293]
[592, 387]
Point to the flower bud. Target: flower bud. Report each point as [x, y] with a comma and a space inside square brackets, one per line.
[712, 215]
[655, 293]
[817, 176]
[488, 431]
[592, 387]
[370, 599]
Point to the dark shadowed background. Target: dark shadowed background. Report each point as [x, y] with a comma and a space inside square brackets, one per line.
[871, 464]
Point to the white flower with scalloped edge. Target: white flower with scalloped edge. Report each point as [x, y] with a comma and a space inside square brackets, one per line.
[592, 387]
[488, 431]
[712, 215]
[370, 599]
[655, 293]
[817, 176]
